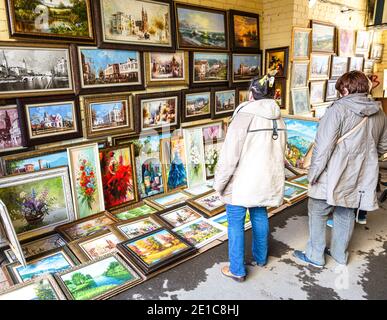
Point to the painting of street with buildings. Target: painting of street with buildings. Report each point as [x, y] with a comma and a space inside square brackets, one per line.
[10, 131]
[109, 114]
[224, 101]
[104, 68]
[210, 67]
[22, 70]
[197, 104]
[246, 66]
[167, 66]
[141, 22]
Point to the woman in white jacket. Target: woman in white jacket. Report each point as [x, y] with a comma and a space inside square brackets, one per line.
[250, 173]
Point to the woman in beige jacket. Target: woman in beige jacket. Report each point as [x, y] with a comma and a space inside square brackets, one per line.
[250, 173]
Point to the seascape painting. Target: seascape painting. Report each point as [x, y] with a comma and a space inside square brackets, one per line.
[138, 228]
[323, 37]
[180, 216]
[197, 104]
[159, 112]
[210, 67]
[246, 33]
[136, 212]
[224, 102]
[246, 66]
[167, 66]
[100, 246]
[10, 130]
[194, 150]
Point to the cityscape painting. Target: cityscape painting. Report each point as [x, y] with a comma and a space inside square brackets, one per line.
[246, 66]
[209, 67]
[224, 102]
[166, 68]
[10, 131]
[196, 106]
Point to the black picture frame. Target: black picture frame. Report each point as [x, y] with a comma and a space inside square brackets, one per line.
[285, 50]
[238, 92]
[233, 45]
[282, 81]
[214, 114]
[184, 116]
[246, 81]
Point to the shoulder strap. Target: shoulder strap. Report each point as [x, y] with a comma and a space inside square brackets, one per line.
[357, 127]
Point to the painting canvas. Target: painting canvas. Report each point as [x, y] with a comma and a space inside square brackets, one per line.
[213, 131]
[99, 245]
[199, 27]
[211, 156]
[377, 52]
[317, 91]
[194, 150]
[196, 105]
[331, 92]
[139, 227]
[368, 66]
[323, 37]
[118, 176]
[293, 191]
[319, 66]
[339, 66]
[37, 202]
[346, 42]
[363, 41]
[245, 30]
[356, 63]
[246, 66]
[222, 220]
[180, 216]
[135, 212]
[277, 61]
[169, 200]
[280, 92]
[11, 137]
[61, 19]
[224, 103]
[300, 101]
[302, 180]
[133, 22]
[198, 190]
[243, 95]
[210, 202]
[300, 43]
[209, 67]
[300, 74]
[320, 109]
[22, 72]
[86, 179]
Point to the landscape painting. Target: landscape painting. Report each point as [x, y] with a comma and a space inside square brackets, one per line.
[300, 43]
[194, 150]
[319, 66]
[293, 191]
[210, 67]
[138, 228]
[107, 68]
[246, 66]
[339, 66]
[300, 74]
[196, 105]
[136, 212]
[11, 137]
[224, 102]
[22, 71]
[100, 246]
[95, 280]
[202, 28]
[167, 67]
[300, 101]
[323, 37]
[317, 91]
[170, 200]
[159, 112]
[180, 216]
[245, 30]
[69, 19]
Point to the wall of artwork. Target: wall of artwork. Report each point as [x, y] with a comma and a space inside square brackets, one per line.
[380, 37]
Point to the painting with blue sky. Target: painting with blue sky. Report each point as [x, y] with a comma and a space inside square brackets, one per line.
[246, 66]
[100, 114]
[37, 114]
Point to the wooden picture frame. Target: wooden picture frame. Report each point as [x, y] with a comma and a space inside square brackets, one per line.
[298, 50]
[175, 198]
[195, 203]
[242, 93]
[229, 102]
[134, 211]
[354, 63]
[328, 94]
[199, 101]
[300, 74]
[248, 20]
[346, 39]
[212, 151]
[330, 30]
[339, 66]
[377, 50]
[272, 66]
[320, 98]
[300, 192]
[301, 106]
[184, 214]
[13, 138]
[280, 92]
[363, 42]
[319, 61]
[320, 109]
[250, 66]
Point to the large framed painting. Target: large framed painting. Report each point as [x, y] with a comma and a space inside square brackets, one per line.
[346, 40]
[301, 43]
[174, 162]
[300, 73]
[277, 61]
[320, 65]
[136, 24]
[108, 114]
[212, 152]
[12, 137]
[108, 70]
[99, 279]
[209, 68]
[179, 216]
[64, 20]
[323, 37]
[339, 66]
[294, 192]
[48, 119]
[86, 180]
[210, 203]
[201, 28]
[168, 200]
[356, 63]
[196, 104]
[245, 66]
[280, 92]
[244, 31]
[166, 248]
[23, 73]
[331, 93]
[119, 180]
[37, 202]
[224, 102]
[134, 211]
[158, 111]
[194, 151]
[363, 42]
[166, 68]
[300, 101]
[317, 91]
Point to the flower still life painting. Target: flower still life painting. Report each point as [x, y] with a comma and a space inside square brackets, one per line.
[159, 112]
[194, 150]
[211, 155]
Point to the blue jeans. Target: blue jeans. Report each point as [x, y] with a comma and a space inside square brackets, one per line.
[236, 236]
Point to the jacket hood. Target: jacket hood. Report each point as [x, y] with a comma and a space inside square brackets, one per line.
[360, 104]
[265, 108]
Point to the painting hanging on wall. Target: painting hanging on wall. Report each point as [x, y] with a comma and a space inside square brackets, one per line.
[224, 102]
[377, 52]
[208, 68]
[86, 179]
[196, 105]
[242, 95]
[368, 66]
[317, 91]
[12, 133]
[300, 101]
[301, 43]
[23, 74]
[138, 24]
[319, 66]
[134, 211]
[300, 71]
[245, 66]
[201, 28]
[346, 40]
[280, 92]
[277, 61]
[211, 156]
[56, 20]
[339, 66]
[37, 202]
[331, 92]
[363, 42]
[356, 63]
[213, 131]
[244, 31]
[323, 37]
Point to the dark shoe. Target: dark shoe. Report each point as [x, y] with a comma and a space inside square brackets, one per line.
[300, 255]
[227, 273]
[327, 251]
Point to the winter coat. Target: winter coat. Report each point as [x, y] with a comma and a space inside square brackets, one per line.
[250, 171]
[345, 174]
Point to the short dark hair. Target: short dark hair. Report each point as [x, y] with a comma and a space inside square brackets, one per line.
[259, 91]
[354, 82]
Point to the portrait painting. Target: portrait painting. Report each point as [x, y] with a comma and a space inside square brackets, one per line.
[323, 37]
[277, 61]
[319, 66]
[11, 137]
[300, 101]
[209, 67]
[300, 72]
[244, 30]
[246, 66]
[301, 43]
[346, 42]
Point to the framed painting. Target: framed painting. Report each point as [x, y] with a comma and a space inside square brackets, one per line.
[377, 52]
[331, 93]
[86, 226]
[86, 180]
[242, 95]
[317, 91]
[201, 232]
[301, 43]
[300, 101]
[320, 65]
[196, 104]
[222, 220]
[194, 151]
[48, 119]
[280, 92]
[212, 152]
[356, 63]
[244, 31]
[213, 131]
[245, 66]
[158, 111]
[294, 192]
[41, 288]
[339, 66]
[320, 109]
[198, 190]
[300, 72]
[224, 102]
[98, 279]
[47, 192]
[96, 246]
[53, 261]
[277, 61]
[300, 180]
[63, 20]
[168, 248]
[210, 203]
[210, 28]
[108, 70]
[209, 68]
[323, 37]
[12, 137]
[346, 40]
[119, 180]
[363, 42]
[368, 66]
[166, 68]
[23, 73]
[179, 216]
[108, 115]
[174, 163]
[134, 211]
[137, 24]
[168, 200]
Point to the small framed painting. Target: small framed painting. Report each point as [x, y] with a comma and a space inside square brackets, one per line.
[300, 72]
[209, 68]
[242, 95]
[213, 131]
[179, 216]
[108, 115]
[280, 92]
[158, 111]
[136, 227]
[210, 203]
[198, 190]
[323, 37]
[320, 109]
[301, 43]
[294, 192]
[368, 66]
[196, 105]
[12, 137]
[300, 180]
[363, 42]
[339, 66]
[168, 200]
[212, 152]
[134, 211]
[166, 68]
[222, 220]
[356, 63]
[300, 101]
[224, 102]
[320, 66]
[317, 91]
[49, 119]
[331, 92]
[244, 31]
[377, 52]
[245, 66]
[277, 61]
[346, 40]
